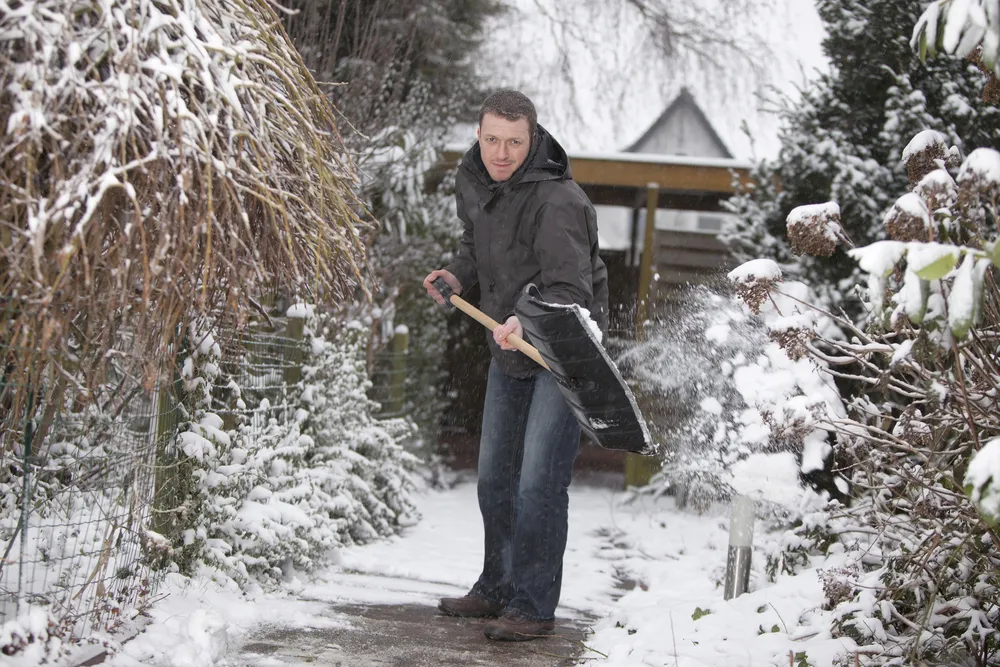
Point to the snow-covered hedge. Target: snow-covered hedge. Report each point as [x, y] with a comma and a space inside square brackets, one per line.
[264, 477]
[299, 474]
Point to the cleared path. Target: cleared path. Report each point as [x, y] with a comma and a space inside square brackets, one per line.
[379, 604]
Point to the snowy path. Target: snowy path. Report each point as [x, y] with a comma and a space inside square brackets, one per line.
[377, 607]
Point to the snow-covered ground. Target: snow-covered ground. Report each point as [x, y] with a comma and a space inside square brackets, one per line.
[674, 615]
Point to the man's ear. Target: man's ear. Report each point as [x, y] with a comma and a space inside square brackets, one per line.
[479, 131]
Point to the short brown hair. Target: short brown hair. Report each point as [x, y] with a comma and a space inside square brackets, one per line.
[510, 105]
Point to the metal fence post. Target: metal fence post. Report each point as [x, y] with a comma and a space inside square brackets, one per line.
[740, 547]
[397, 378]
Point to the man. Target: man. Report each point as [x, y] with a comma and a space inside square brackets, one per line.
[526, 221]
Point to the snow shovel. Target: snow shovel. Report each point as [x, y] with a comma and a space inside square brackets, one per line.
[566, 346]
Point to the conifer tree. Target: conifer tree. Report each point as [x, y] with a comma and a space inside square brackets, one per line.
[396, 63]
[844, 140]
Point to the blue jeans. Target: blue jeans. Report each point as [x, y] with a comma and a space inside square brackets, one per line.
[530, 439]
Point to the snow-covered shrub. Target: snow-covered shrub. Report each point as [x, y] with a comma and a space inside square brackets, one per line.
[357, 464]
[919, 437]
[844, 138]
[303, 469]
[33, 638]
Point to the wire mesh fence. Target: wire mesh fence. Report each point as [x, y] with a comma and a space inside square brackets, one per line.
[91, 504]
[406, 381]
[95, 489]
[76, 511]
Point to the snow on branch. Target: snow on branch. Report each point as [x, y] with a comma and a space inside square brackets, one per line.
[958, 27]
[815, 229]
[927, 151]
[754, 280]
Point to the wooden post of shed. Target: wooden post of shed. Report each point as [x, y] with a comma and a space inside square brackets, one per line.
[640, 469]
[646, 266]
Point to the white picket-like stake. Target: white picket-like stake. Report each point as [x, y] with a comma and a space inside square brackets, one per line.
[740, 546]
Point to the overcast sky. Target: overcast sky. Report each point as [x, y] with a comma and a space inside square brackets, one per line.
[620, 85]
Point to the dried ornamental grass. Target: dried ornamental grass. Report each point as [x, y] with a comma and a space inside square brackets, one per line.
[159, 158]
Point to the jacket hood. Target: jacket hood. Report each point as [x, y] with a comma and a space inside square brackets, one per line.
[546, 161]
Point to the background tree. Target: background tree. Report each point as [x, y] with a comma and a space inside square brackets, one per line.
[405, 72]
[600, 69]
[844, 140]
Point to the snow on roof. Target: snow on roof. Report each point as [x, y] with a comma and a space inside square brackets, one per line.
[683, 100]
[651, 158]
[659, 158]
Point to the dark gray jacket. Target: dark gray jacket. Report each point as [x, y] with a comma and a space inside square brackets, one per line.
[536, 227]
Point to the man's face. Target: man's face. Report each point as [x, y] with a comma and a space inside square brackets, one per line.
[504, 145]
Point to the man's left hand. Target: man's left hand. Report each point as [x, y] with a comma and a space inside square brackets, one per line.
[511, 326]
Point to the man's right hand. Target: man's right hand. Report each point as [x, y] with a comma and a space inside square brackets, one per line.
[448, 278]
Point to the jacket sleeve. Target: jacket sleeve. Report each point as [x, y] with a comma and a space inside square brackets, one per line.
[563, 246]
[463, 266]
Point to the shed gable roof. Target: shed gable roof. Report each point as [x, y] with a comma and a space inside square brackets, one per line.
[683, 102]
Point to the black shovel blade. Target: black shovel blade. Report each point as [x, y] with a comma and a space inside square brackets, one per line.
[590, 381]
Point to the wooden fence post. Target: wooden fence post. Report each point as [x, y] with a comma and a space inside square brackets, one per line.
[648, 261]
[165, 476]
[293, 352]
[397, 378]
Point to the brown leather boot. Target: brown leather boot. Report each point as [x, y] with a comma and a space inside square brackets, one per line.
[470, 606]
[513, 628]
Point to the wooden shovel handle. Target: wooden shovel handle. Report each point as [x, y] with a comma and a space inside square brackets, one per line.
[492, 324]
